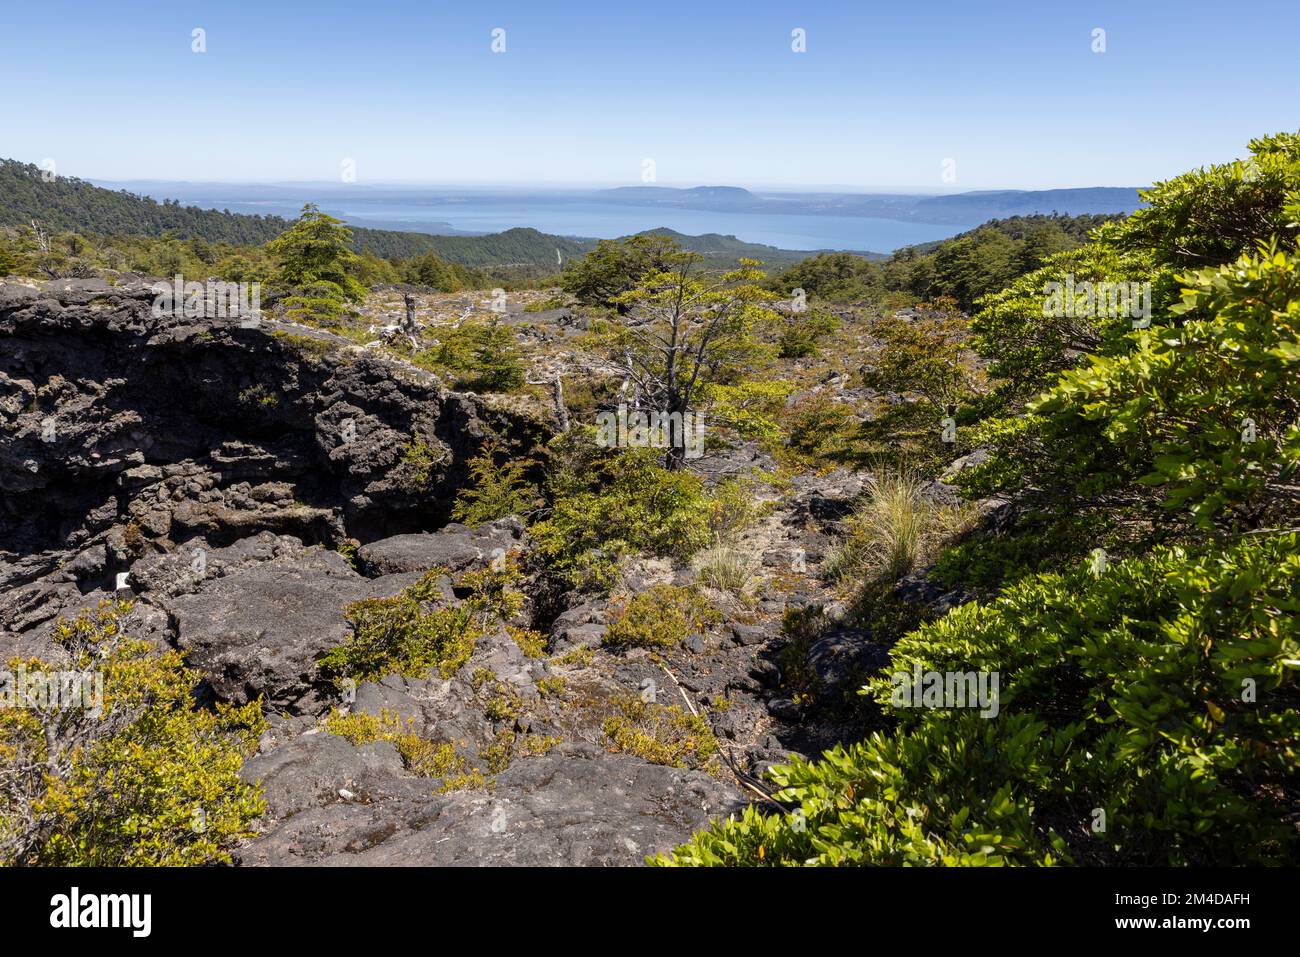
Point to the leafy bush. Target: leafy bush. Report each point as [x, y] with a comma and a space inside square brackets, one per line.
[1215, 214]
[803, 332]
[662, 616]
[420, 755]
[821, 431]
[641, 507]
[616, 266]
[1162, 692]
[661, 734]
[750, 408]
[837, 277]
[419, 629]
[478, 356]
[149, 780]
[1212, 402]
[497, 490]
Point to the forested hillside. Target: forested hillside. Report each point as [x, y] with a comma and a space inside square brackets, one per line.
[67, 204]
[964, 267]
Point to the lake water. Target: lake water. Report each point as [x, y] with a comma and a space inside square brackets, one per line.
[608, 221]
[562, 214]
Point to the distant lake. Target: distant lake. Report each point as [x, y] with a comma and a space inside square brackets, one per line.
[415, 210]
[608, 221]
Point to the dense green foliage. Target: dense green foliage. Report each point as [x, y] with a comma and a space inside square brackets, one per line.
[478, 356]
[626, 503]
[315, 267]
[499, 487]
[1147, 707]
[964, 267]
[1162, 693]
[616, 267]
[148, 778]
[422, 627]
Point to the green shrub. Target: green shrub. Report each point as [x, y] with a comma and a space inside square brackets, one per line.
[822, 432]
[417, 464]
[1161, 692]
[803, 333]
[479, 356]
[151, 780]
[660, 734]
[641, 507]
[496, 490]
[662, 616]
[417, 630]
[420, 755]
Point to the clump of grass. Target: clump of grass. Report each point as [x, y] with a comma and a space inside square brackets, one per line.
[894, 530]
[661, 734]
[726, 568]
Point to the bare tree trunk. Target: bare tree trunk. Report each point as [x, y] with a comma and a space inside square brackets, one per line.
[561, 412]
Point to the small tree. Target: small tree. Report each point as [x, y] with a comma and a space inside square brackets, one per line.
[616, 266]
[315, 264]
[683, 331]
[498, 490]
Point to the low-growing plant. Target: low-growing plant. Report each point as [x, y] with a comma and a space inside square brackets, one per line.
[532, 643]
[417, 629]
[660, 734]
[420, 755]
[728, 569]
[662, 616]
[148, 779]
[894, 529]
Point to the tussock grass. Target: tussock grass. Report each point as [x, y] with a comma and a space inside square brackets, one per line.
[727, 569]
[894, 530]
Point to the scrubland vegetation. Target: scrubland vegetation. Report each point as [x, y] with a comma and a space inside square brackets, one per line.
[1137, 596]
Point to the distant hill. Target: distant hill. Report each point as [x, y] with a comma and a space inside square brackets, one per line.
[711, 196]
[957, 209]
[70, 204]
[992, 204]
[717, 247]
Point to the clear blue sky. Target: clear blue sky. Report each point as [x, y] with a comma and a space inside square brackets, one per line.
[586, 91]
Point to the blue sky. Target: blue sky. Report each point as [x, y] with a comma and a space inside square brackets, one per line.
[585, 92]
